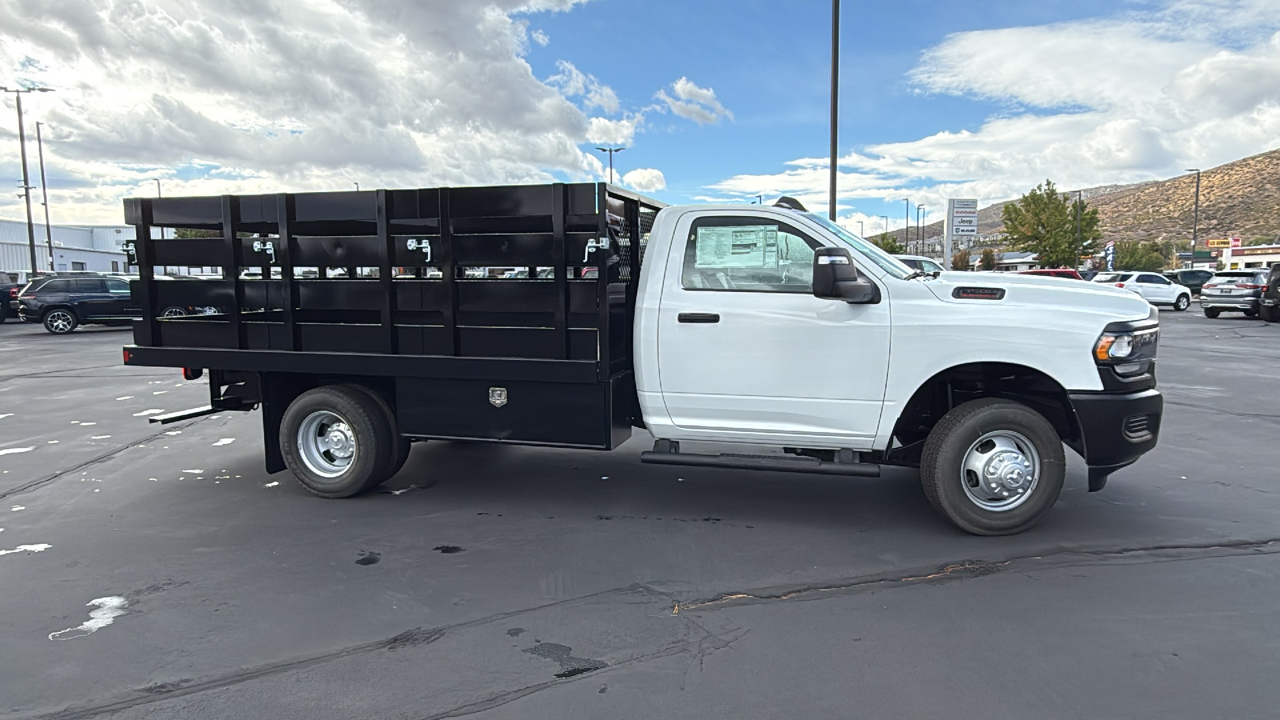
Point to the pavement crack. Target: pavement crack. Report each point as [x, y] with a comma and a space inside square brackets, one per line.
[33, 484]
[163, 691]
[969, 569]
[1220, 411]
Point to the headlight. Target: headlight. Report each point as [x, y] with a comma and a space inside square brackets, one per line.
[1127, 347]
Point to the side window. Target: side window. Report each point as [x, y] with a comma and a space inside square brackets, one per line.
[87, 286]
[56, 286]
[1150, 279]
[747, 256]
[117, 286]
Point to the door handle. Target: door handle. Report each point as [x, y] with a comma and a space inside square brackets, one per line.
[698, 318]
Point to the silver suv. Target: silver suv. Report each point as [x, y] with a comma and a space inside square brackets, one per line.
[1233, 291]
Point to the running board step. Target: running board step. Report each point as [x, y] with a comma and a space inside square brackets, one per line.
[761, 462]
[184, 415]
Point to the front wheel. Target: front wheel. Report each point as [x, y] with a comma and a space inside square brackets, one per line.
[336, 440]
[1269, 313]
[1212, 312]
[1251, 313]
[993, 467]
[1182, 303]
[60, 321]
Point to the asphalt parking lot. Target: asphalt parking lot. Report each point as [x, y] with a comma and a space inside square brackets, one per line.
[151, 572]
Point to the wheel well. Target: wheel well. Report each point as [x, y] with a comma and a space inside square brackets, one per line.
[962, 383]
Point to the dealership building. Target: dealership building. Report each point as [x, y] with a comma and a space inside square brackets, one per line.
[75, 247]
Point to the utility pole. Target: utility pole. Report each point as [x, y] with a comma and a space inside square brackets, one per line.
[611, 150]
[835, 102]
[1195, 219]
[44, 194]
[26, 178]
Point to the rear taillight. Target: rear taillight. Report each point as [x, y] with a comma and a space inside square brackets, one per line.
[1119, 285]
[1211, 285]
[1251, 287]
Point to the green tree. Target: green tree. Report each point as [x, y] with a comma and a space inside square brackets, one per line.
[1044, 222]
[960, 260]
[989, 260]
[889, 243]
[1141, 256]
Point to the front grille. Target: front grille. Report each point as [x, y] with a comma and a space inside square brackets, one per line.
[1139, 427]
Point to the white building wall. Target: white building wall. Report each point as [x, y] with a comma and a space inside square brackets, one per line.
[74, 247]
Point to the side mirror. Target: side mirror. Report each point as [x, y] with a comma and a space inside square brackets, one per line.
[836, 278]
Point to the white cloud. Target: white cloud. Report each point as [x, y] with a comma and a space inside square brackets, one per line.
[540, 37]
[255, 95]
[645, 180]
[613, 132]
[1194, 83]
[693, 102]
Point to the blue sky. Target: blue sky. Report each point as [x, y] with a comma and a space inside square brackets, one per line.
[714, 100]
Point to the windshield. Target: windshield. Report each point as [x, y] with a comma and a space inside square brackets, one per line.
[887, 262]
[1111, 277]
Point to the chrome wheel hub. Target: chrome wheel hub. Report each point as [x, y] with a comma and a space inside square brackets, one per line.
[1000, 470]
[60, 321]
[327, 444]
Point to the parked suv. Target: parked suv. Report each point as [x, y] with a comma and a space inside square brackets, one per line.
[1156, 288]
[1192, 280]
[63, 303]
[1269, 304]
[1234, 291]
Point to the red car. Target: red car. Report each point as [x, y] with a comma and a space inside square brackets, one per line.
[1053, 272]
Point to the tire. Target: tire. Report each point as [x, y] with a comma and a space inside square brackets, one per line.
[986, 432]
[174, 311]
[348, 416]
[1251, 313]
[1269, 314]
[60, 321]
[1182, 303]
[1212, 312]
[401, 444]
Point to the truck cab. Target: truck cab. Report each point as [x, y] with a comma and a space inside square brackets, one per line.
[769, 331]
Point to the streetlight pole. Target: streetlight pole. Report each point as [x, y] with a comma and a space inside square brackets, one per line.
[610, 151]
[886, 226]
[44, 194]
[1079, 234]
[759, 199]
[906, 228]
[919, 227]
[1195, 219]
[835, 100]
[861, 232]
[26, 179]
[353, 182]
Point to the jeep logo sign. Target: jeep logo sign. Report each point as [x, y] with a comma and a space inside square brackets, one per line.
[497, 396]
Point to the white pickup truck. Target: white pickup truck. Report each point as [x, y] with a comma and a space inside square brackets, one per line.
[769, 329]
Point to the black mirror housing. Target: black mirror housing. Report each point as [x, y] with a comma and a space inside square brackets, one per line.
[836, 278]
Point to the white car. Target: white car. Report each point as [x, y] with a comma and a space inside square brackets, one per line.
[1154, 287]
[919, 262]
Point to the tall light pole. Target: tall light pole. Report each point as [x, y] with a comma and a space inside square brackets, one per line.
[861, 232]
[906, 228]
[835, 102]
[1195, 218]
[1079, 234]
[353, 182]
[44, 194]
[610, 151]
[919, 228]
[886, 226]
[26, 179]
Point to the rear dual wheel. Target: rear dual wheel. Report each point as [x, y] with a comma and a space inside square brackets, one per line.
[341, 440]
